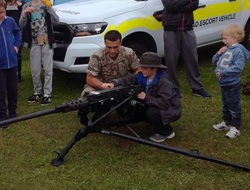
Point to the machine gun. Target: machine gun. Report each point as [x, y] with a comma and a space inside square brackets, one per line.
[93, 101]
[113, 99]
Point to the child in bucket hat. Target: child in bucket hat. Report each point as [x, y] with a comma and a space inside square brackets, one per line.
[161, 103]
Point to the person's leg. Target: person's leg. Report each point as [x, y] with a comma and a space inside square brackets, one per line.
[47, 62]
[19, 61]
[35, 64]
[234, 105]
[226, 117]
[3, 79]
[190, 59]
[12, 92]
[172, 45]
[153, 115]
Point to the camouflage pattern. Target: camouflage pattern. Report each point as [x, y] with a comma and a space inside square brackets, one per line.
[105, 68]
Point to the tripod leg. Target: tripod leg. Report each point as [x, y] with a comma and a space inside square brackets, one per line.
[83, 132]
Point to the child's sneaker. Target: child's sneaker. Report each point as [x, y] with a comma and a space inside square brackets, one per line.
[221, 126]
[161, 138]
[34, 98]
[45, 100]
[232, 133]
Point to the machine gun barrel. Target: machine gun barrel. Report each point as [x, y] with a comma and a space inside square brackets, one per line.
[65, 107]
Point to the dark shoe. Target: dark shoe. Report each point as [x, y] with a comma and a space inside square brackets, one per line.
[12, 115]
[45, 100]
[35, 97]
[5, 125]
[201, 93]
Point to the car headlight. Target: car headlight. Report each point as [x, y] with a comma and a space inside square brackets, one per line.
[86, 29]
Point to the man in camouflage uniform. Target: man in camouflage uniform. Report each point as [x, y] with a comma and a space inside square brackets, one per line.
[111, 62]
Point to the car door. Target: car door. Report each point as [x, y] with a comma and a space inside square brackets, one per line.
[214, 15]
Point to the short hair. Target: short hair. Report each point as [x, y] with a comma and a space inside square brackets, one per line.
[3, 4]
[113, 35]
[234, 30]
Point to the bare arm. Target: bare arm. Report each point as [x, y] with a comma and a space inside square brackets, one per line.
[93, 81]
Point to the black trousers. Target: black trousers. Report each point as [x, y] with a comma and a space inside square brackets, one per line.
[8, 85]
[152, 115]
[19, 61]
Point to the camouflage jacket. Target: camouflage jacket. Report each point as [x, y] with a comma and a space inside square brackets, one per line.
[105, 68]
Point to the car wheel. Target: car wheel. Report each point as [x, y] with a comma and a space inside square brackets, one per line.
[138, 48]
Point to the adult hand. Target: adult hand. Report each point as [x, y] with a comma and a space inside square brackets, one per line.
[107, 85]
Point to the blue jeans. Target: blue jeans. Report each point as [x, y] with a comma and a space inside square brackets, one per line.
[231, 104]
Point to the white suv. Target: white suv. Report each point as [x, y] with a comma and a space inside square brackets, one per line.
[139, 21]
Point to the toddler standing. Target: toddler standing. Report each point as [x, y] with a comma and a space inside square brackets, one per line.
[230, 61]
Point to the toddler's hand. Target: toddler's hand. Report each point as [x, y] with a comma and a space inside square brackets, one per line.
[222, 50]
[218, 75]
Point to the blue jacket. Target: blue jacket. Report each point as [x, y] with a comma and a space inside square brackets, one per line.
[10, 36]
[231, 64]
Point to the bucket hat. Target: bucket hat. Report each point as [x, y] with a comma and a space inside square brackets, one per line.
[151, 59]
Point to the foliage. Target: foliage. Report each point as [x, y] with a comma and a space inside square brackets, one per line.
[106, 162]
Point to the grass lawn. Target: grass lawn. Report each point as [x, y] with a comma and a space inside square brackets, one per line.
[106, 162]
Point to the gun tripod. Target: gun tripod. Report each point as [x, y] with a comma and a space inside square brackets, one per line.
[93, 127]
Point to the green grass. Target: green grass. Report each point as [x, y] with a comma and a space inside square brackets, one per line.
[107, 162]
